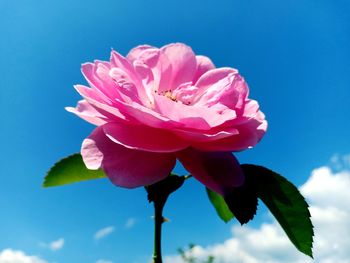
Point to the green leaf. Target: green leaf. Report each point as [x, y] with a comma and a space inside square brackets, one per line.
[70, 170]
[160, 191]
[243, 201]
[220, 205]
[286, 204]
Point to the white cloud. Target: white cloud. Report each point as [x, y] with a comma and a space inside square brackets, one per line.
[54, 245]
[104, 232]
[340, 162]
[328, 194]
[57, 244]
[103, 261]
[130, 222]
[17, 256]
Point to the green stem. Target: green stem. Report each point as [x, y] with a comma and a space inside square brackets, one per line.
[158, 193]
[158, 221]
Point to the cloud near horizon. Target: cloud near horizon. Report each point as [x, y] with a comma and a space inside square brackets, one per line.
[103, 261]
[328, 195]
[16, 256]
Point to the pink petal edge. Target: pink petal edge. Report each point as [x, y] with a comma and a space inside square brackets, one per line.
[144, 138]
[219, 171]
[125, 167]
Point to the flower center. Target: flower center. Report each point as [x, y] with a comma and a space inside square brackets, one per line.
[169, 95]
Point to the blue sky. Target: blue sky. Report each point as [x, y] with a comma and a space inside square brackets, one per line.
[294, 55]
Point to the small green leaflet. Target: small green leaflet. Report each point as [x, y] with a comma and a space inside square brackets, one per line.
[286, 204]
[220, 205]
[243, 201]
[70, 170]
[160, 191]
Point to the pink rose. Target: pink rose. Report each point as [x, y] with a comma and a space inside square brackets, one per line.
[157, 105]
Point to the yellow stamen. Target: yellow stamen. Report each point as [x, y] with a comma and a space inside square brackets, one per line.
[169, 95]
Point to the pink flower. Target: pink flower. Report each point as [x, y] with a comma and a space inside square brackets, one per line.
[157, 105]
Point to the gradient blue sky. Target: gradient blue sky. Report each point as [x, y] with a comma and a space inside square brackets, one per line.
[294, 55]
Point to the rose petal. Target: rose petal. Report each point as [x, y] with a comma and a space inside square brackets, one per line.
[125, 87]
[132, 111]
[250, 133]
[85, 111]
[124, 65]
[92, 93]
[88, 70]
[204, 64]
[161, 67]
[98, 78]
[94, 98]
[142, 137]
[136, 53]
[125, 167]
[183, 62]
[149, 117]
[193, 117]
[118, 61]
[219, 171]
[184, 93]
[190, 117]
[196, 136]
[251, 109]
[224, 86]
[158, 62]
[146, 76]
[213, 76]
[121, 110]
